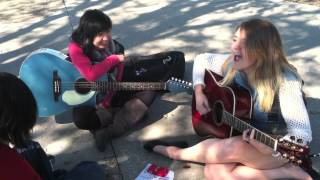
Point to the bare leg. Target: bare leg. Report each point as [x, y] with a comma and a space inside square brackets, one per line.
[219, 171]
[229, 150]
[284, 172]
[239, 172]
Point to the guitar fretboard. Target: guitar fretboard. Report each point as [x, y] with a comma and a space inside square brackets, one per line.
[116, 86]
[241, 125]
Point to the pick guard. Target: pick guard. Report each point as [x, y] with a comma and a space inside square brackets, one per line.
[72, 98]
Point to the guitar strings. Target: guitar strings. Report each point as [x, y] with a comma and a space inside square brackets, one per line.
[90, 84]
[110, 85]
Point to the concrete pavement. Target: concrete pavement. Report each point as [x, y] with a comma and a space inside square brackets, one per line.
[146, 27]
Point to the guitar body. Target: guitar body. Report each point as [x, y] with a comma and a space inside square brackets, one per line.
[234, 99]
[37, 72]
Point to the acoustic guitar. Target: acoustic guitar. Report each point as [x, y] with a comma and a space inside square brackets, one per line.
[231, 113]
[58, 86]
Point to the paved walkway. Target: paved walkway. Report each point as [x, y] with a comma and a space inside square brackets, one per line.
[148, 27]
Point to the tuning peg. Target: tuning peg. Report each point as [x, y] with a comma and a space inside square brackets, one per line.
[293, 147]
[292, 138]
[286, 144]
[292, 158]
[285, 155]
[299, 162]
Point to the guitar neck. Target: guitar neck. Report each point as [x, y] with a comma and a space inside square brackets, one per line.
[131, 86]
[241, 125]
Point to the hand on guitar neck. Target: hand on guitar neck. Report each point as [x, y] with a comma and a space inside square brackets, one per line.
[248, 135]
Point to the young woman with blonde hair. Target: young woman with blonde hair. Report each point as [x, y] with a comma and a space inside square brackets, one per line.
[257, 62]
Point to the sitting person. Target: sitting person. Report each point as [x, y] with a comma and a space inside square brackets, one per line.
[257, 62]
[95, 54]
[27, 160]
[17, 117]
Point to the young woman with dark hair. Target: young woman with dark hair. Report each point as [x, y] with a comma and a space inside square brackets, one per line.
[257, 63]
[18, 112]
[95, 54]
[26, 159]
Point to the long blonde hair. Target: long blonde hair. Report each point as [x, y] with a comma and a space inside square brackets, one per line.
[264, 44]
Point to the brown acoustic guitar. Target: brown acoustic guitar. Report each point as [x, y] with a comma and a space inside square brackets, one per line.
[231, 113]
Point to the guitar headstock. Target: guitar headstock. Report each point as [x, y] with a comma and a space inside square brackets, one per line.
[293, 152]
[177, 85]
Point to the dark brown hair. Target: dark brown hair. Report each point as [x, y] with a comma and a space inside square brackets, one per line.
[91, 24]
[18, 110]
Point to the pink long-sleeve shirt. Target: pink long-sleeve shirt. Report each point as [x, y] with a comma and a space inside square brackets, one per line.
[93, 72]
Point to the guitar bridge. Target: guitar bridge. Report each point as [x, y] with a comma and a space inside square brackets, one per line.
[56, 84]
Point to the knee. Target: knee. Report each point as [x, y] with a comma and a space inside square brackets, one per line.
[135, 111]
[239, 144]
[235, 149]
[146, 97]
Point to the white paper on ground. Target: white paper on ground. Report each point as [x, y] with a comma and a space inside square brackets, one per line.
[145, 175]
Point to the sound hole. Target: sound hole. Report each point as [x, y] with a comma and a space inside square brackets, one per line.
[82, 86]
[217, 113]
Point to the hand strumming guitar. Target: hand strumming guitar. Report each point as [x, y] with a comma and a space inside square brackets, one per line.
[202, 104]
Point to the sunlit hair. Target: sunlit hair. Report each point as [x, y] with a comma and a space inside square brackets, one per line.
[91, 24]
[18, 110]
[263, 43]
